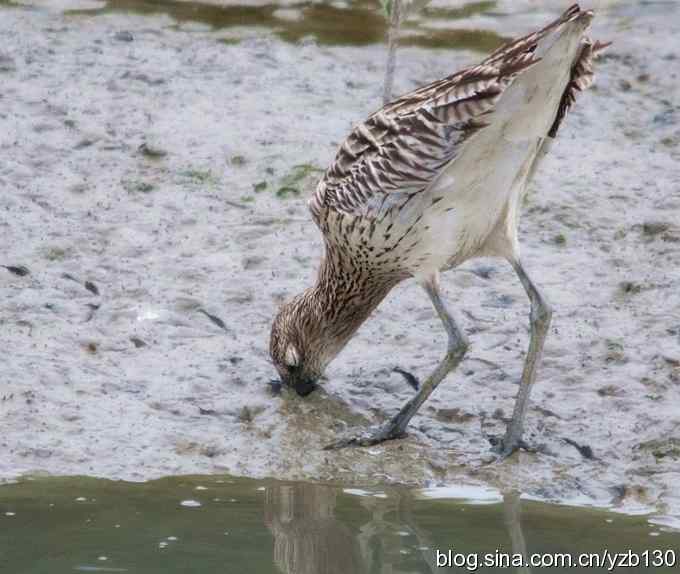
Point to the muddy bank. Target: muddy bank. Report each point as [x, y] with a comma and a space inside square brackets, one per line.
[154, 173]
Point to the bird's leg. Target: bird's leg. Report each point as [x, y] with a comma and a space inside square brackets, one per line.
[511, 512]
[457, 347]
[540, 316]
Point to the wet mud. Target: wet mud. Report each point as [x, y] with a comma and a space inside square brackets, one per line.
[155, 160]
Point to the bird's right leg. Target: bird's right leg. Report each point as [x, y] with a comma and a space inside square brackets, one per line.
[456, 349]
[540, 316]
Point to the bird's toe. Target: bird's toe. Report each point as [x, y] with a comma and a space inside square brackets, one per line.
[504, 448]
[369, 437]
[360, 439]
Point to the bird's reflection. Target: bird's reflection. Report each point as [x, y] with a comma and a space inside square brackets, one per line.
[511, 513]
[310, 538]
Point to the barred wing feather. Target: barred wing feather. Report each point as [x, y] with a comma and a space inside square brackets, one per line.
[401, 149]
[404, 146]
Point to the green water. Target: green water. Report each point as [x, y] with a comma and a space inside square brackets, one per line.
[213, 524]
[356, 23]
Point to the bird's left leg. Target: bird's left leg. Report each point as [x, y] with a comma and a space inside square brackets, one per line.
[456, 349]
[540, 316]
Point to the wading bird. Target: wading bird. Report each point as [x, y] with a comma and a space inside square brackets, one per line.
[433, 179]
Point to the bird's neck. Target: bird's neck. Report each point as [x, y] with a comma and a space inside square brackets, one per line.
[343, 298]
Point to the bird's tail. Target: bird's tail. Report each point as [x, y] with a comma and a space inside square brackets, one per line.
[539, 97]
[581, 78]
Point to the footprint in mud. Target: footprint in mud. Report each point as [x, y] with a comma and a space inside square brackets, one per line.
[7, 63]
[19, 270]
[137, 342]
[253, 261]
[216, 320]
[89, 285]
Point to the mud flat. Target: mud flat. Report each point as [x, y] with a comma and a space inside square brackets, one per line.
[154, 167]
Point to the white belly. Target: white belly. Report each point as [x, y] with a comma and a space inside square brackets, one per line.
[487, 191]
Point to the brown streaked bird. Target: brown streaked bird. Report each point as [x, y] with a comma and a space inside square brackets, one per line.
[433, 179]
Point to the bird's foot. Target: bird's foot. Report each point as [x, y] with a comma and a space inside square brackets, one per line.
[504, 447]
[368, 437]
[411, 379]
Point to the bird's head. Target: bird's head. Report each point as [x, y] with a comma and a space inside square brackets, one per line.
[296, 346]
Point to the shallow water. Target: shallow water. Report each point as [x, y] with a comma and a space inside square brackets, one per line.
[221, 524]
[356, 23]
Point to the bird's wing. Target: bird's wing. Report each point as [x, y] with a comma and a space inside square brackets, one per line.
[400, 149]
